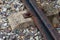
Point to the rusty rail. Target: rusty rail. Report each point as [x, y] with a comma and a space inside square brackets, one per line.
[44, 19]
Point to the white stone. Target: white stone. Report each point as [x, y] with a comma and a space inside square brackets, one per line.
[37, 38]
[58, 2]
[5, 24]
[4, 9]
[1, 39]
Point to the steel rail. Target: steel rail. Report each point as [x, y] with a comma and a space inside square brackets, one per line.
[44, 29]
[36, 20]
[45, 21]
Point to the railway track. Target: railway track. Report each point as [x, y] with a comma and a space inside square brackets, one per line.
[47, 30]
